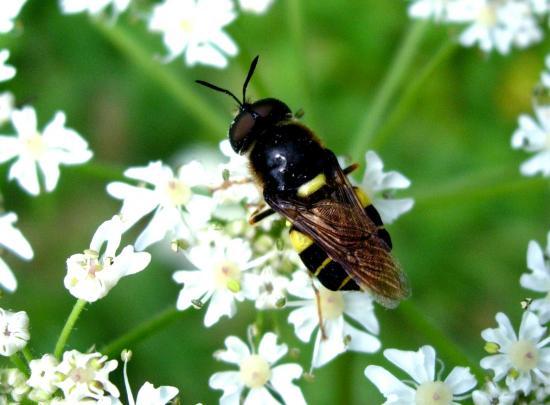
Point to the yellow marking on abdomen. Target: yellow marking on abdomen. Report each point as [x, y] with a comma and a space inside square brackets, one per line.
[363, 198]
[346, 280]
[312, 186]
[300, 241]
[322, 266]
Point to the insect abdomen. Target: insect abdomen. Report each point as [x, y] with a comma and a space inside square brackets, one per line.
[330, 273]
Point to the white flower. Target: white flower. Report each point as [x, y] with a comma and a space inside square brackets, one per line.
[522, 358]
[12, 384]
[55, 146]
[496, 24]
[272, 289]
[257, 373]
[493, 394]
[379, 187]
[8, 12]
[427, 389]
[335, 335]
[7, 104]
[539, 278]
[219, 278]
[147, 394]
[436, 9]
[43, 377]
[195, 28]
[255, 6]
[171, 199]
[14, 331]
[534, 136]
[7, 72]
[12, 239]
[540, 6]
[93, 6]
[85, 376]
[92, 274]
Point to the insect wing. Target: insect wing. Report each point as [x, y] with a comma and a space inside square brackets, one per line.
[338, 223]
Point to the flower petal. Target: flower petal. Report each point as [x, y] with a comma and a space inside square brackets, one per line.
[460, 380]
[395, 391]
[236, 351]
[270, 350]
[419, 365]
[281, 379]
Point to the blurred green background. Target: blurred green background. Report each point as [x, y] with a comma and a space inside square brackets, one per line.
[463, 245]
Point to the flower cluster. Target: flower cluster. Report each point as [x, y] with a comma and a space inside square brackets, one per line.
[491, 24]
[192, 29]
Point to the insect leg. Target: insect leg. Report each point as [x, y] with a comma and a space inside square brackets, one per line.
[258, 216]
[351, 168]
[319, 313]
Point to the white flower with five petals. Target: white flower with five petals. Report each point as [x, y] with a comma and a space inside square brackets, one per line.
[534, 136]
[539, 278]
[93, 6]
[12, 239]
[92, 274]
[335, 335]
[14, 331]
[379, 187]
[170, 198]
[220, 278]
[85, 377]
[195, 28]
[8, 13]
[427, 388]
[257, 373]
[55, 146]
[524, 358]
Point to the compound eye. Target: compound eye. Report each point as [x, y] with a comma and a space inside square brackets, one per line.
[263, 110]
[242, 126]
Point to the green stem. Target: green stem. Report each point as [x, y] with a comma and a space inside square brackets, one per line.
[215, 124]
[390, 84]
[67, 329]
[433, 334]
[302, 82]
[404, 104]
[27, 354]
[478, 187]
[142, 331]
[20, 364]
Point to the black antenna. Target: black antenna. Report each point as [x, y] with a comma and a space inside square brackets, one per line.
[249, 75]
[214, 87]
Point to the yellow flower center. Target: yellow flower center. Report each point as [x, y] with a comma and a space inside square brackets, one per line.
[332, 303]
[35, 146]
[178, 192]
[488, 16]
[227, 275]
[433, 393]
[81, 375]
[255, 371]
[523, 355]
[187, 25]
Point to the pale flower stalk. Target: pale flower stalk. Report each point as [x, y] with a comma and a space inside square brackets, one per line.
[426, 387]
[14, 327]
[56, 145]
[93, 273]
[257, 372]
[335, 334]
[194, 29]
[13, 240]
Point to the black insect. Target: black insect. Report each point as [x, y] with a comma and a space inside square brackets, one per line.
[335, 229]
